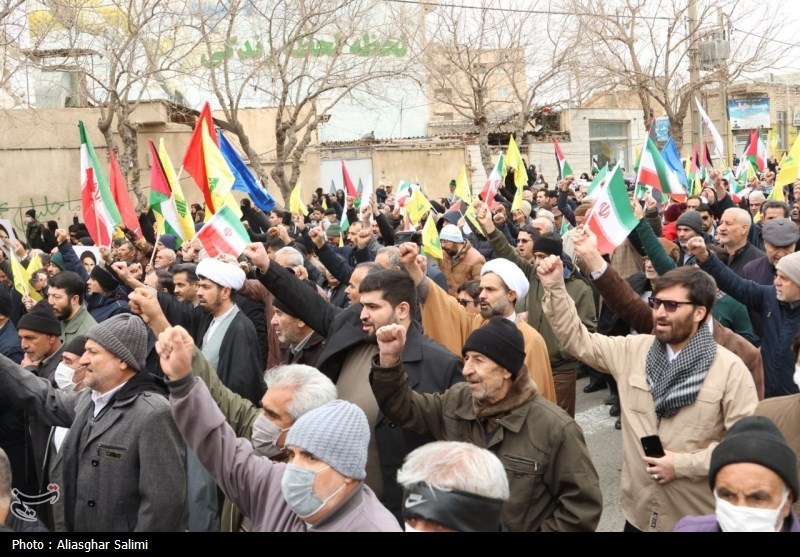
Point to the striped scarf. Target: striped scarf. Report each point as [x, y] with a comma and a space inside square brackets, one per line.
[676, 384]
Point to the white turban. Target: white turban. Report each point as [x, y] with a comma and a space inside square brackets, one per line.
[510, 274]
[221, 273]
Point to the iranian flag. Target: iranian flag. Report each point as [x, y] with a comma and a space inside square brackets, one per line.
[756, 151]
[654, 173]
[403, 193]
[564, 169]
[494, 182]
[224, 233]
[100, 214]
[735, 189]
[611, 217]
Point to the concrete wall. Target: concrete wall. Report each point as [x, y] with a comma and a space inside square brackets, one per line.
[39, 154]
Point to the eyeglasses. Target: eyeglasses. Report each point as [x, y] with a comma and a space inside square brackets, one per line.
[465, 303]
[670, 305]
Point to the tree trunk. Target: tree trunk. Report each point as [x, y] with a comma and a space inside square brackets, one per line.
[676, 131]
[129, 157]
[483, 142]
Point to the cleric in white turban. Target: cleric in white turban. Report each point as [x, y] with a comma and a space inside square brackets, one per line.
[221, 273]
[509, 273]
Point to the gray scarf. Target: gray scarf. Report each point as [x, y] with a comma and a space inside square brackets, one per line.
[676, 384]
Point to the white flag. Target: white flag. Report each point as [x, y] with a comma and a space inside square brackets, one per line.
[719, 146]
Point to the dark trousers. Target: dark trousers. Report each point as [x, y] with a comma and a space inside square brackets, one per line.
[564, 382]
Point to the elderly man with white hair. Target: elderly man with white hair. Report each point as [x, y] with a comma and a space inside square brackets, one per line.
[447, 321]
[452, 486]
[732, 234]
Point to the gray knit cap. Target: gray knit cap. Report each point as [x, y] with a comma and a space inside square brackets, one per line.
[123, 335]
[337, 433]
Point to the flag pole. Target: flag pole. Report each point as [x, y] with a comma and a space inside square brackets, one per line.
[153, 255]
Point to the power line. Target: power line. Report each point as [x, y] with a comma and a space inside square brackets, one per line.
[523, 11]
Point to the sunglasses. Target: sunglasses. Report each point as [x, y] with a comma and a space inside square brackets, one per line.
[669, 305]
[465, 303]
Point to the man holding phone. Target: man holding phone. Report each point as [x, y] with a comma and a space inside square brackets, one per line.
[676, 384]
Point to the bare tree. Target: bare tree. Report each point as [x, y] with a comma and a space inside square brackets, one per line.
[301, 57]
[648, 47]
[120, 54]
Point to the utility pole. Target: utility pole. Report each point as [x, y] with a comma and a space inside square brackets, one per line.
[723, 95]
[694, 70]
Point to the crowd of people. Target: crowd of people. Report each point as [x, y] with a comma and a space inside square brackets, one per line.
[336, 377]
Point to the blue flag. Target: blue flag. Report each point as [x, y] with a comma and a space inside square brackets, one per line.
[244, 180]
[673, 160]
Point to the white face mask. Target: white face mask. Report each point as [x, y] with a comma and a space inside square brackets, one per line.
[265, 437]
[63, 377]
[732, 518]
[796, 375]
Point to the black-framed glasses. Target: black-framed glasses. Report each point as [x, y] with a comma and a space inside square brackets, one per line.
[669, 305]
[465, 303]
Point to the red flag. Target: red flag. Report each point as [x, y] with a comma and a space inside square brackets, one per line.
[349, 189]
[121, 197]
[194, 160]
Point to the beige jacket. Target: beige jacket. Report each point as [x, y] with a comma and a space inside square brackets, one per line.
[727, 394]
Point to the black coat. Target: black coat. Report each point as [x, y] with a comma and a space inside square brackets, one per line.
[239, 368]
[431, 367]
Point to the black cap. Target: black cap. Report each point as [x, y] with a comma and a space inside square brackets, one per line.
[756, 439]
[106, 280]
[41, 319]
[76, 346]
[500, 340]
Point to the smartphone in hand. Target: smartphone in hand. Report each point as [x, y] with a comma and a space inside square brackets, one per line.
[652, 446]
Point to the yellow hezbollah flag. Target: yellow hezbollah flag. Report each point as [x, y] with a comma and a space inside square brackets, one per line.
[430, 239]
[21, 278]
[790, 169]
[416, 206]
[462, 186]
[514, 160]
[296, 204]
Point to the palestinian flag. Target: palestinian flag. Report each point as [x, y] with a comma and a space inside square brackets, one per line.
[756, 151]
[564, 169]
[224, 233]
[611, 217]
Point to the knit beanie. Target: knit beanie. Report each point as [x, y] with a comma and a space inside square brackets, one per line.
[169, 240]
[334, 230]
[451, 233]
[337, 433]
[40, 319]
[790, 266]
[76, 346]
[693, 220]
[58, 261]
[500, 340]
[674, 211]
[526, 208]
[123, 335]
[105, 279]
[756, 439]
[5, 301]
[31, 213]
[549, 243]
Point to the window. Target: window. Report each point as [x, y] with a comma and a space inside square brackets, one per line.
[608, 142]
[502, 92]
[58, 89]
[442, 95]
[443, 115]
[782, 143]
